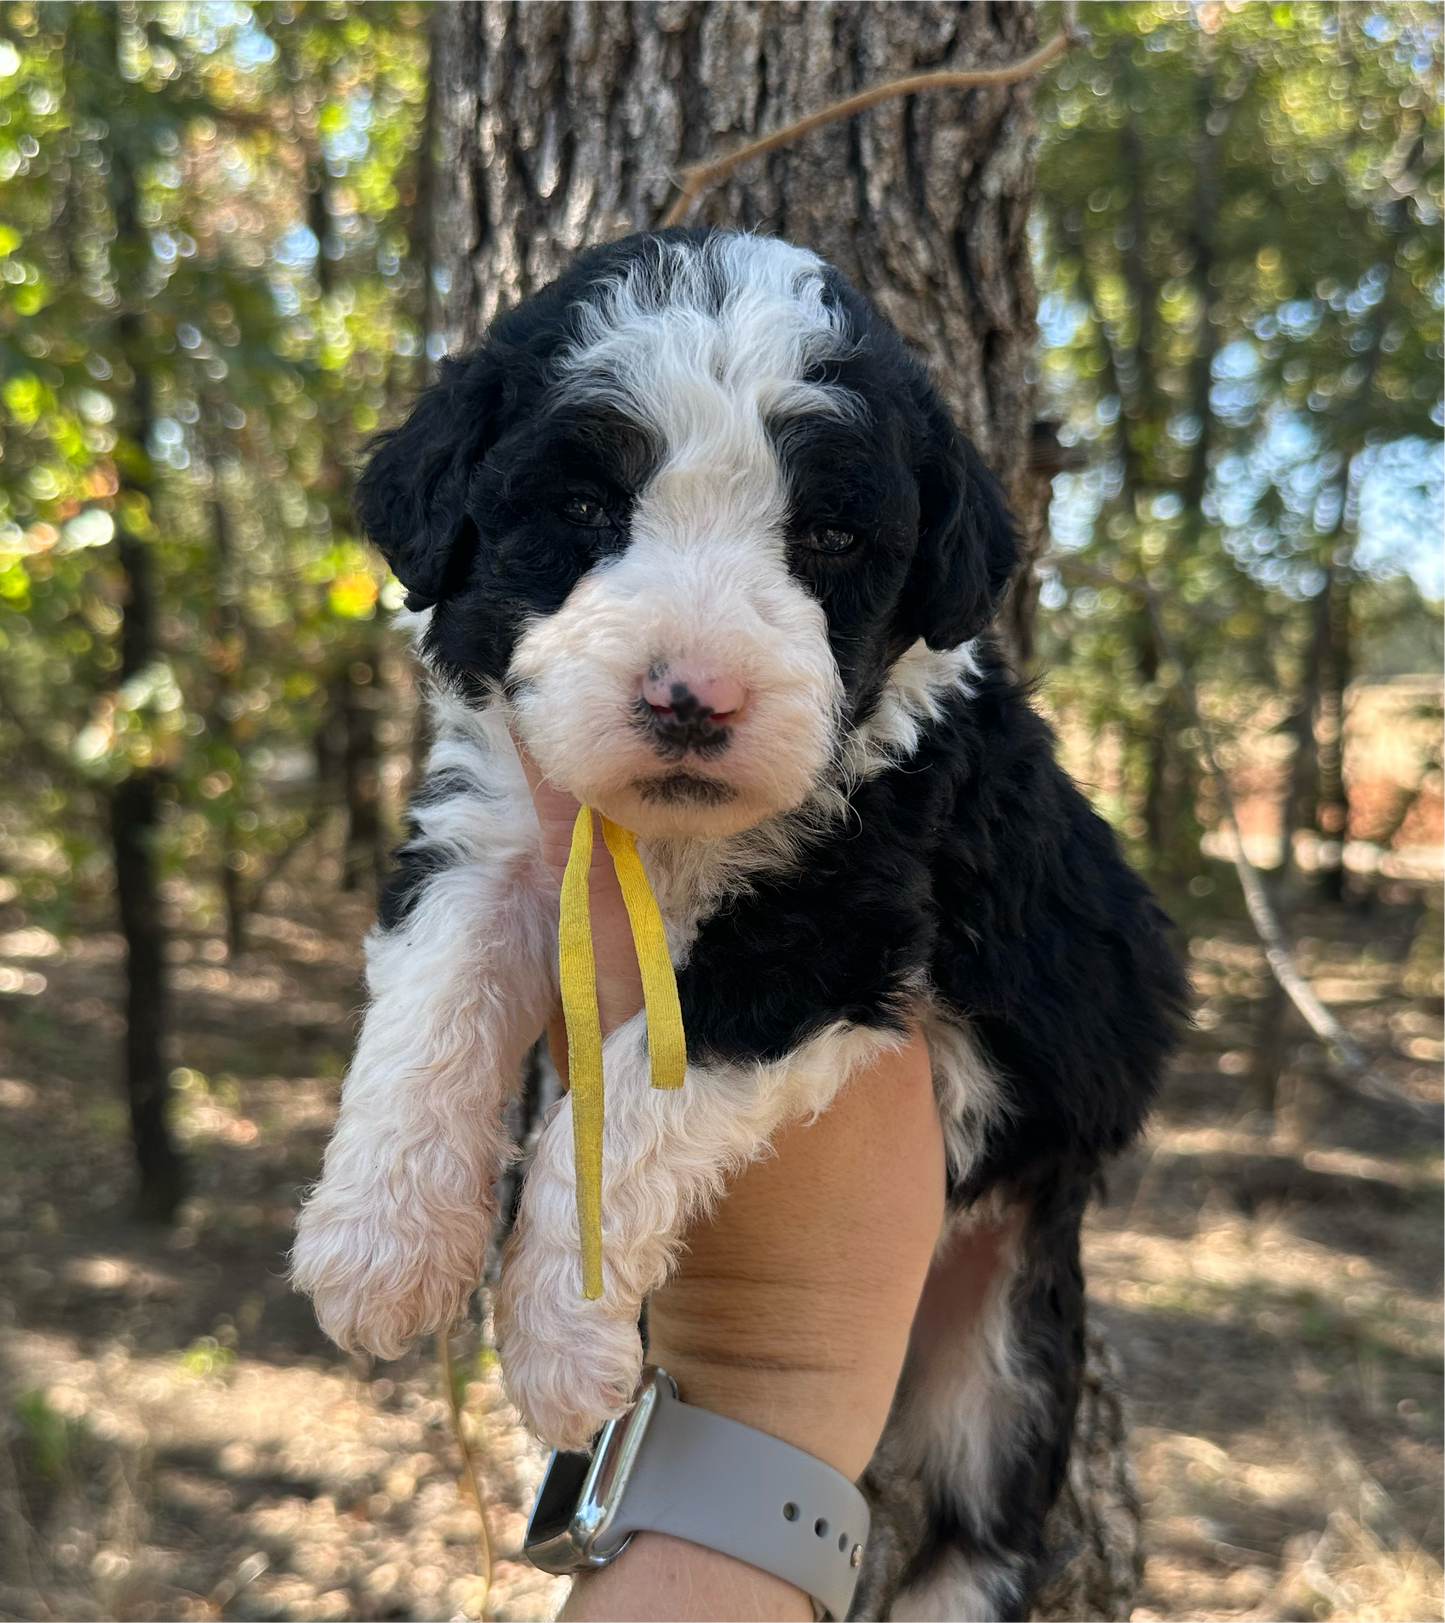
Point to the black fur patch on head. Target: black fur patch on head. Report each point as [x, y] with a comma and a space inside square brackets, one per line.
[469, 499]
[934, 544]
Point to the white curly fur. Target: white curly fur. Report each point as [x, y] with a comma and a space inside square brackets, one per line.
[571, 1364]
[390, 1242]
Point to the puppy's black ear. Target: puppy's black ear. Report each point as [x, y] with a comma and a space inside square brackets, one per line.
[412, 497]
[967, 543]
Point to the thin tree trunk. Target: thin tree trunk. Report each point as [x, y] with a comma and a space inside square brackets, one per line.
[134, 829]
[1302, 796]
[1332, 814]
[348, 769]
[135, 801]
[1271, 1048]
[1096, 1555]
[1299, 810]
[228, 654]
[133, 826]
[1155, 806]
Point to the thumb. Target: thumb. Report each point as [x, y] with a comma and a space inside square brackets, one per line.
[556, 811]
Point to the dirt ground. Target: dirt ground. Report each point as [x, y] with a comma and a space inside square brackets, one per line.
[178, 1441]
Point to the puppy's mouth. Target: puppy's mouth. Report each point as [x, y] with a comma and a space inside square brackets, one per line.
[683, 789]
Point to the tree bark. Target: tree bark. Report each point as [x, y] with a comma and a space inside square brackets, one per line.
[364, 856]
[560, 126]
[563, 125]
[348, 766]
[134, 829]
[1093, 1533]
[1332, 807]
[135, 800]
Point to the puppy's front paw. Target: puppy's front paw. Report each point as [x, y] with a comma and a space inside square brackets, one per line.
[569, 1365]
[379, 1276]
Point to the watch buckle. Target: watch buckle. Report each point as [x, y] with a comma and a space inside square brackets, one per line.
[573, 1546]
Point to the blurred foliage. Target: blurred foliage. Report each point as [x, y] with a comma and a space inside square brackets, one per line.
[1239, 248]
[211, 295]
[45, 1436]
[215, 286]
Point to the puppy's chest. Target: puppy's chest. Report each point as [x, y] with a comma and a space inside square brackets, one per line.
[771, 954]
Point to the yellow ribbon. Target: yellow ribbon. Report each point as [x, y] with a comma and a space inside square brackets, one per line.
[666, 1041]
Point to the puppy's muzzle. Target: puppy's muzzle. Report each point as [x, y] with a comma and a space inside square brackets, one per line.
[684, 712]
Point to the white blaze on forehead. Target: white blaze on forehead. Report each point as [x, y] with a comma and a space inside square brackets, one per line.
[704, 343]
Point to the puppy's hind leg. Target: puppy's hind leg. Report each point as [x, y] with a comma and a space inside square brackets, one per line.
[977, 1444]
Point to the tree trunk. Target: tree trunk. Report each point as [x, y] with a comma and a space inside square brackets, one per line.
[133, 824]
[1093, 1533]
[348, 769]
[560, 126]
[134, 828]
[1332, 812]
[227, 654]
[365, 855]
[1302, 795]
[135, 800]
[563, 126]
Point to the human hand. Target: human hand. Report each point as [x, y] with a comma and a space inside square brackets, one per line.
[791, 1305]
[619, 982]
[790, 1311]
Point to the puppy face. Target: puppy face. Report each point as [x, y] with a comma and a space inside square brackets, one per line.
[684, 510]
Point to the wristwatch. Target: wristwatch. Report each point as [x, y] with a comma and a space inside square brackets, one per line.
[667, 1467]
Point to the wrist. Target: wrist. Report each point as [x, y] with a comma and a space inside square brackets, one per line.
[777, 1382]
[661, 1577]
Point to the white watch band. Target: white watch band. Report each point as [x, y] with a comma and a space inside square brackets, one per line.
[667, 1467]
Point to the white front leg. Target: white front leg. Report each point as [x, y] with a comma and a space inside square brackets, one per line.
[571, 1364]
[391, 1241]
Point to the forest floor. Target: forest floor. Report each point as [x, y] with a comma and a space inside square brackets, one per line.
[178, 1441]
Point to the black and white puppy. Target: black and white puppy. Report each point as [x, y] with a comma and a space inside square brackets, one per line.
[694, 528]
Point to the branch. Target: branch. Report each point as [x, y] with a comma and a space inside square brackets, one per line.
[1348, 1057]
[700, 177]
[469, 1464]
[313, 821]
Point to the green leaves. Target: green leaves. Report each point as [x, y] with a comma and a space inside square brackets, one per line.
[180, 373]
[1240, 261]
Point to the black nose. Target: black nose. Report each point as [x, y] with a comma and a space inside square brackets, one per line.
[684, 723]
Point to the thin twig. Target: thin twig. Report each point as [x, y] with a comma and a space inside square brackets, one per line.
[484, 1534]
[314, 820]
[700, 177]
[1348, 1057]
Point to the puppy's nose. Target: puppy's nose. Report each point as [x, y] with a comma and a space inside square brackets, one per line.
[686, 709]
[716, 698]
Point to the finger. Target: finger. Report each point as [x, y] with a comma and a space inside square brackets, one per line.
[556, 810]
[618, 979]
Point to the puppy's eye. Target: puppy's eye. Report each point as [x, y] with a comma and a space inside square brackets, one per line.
[588, 514]
[830, 540]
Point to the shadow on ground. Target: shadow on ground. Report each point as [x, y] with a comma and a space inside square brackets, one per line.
[180, 1442]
